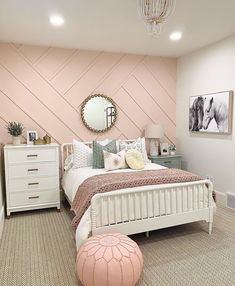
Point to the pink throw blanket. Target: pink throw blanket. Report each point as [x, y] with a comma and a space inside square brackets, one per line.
[116, 181]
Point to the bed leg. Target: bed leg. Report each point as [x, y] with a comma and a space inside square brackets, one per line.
[147, 234]
[210, 227]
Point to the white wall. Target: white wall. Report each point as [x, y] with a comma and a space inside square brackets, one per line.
[208, 70]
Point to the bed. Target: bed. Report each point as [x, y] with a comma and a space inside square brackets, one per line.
[138, 209]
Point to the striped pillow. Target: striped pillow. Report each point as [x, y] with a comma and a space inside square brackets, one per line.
[98, 156]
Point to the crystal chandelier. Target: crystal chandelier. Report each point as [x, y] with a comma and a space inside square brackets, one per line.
[154, 13]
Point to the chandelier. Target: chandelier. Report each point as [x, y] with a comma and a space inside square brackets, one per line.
[154, 13]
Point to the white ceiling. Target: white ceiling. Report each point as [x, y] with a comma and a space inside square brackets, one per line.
[114, 25]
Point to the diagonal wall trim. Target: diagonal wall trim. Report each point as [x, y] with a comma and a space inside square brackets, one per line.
[85, 71]
[123, 70]
[160, 83]
[16, 108]
[48, 82]
[40, 101]
[164, 111]
[75, 53]
[44, 87]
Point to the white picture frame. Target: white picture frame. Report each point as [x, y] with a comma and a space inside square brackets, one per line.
[211, 113]
[31, 136]
[164, 148]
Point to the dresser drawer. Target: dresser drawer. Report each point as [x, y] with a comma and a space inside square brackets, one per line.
[31, 155]
[32, 170]
[33, 198]
[19, 185]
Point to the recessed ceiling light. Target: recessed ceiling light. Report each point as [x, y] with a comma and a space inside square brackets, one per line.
[56, 20]
[176, 36]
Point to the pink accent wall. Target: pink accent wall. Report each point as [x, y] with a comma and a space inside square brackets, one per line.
[43, 88]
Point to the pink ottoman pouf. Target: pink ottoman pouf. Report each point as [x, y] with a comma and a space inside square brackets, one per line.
[109, 260]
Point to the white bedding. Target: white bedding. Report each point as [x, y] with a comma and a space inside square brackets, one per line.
[73, 178]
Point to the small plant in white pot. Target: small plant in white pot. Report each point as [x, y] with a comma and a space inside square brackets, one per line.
[172, 149]
[15, 129]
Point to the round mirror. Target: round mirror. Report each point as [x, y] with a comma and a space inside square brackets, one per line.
[99, 113]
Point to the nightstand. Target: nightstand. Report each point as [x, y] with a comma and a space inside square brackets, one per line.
[32, 177]
[169, 161]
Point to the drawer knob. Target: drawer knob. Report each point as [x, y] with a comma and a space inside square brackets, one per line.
[32, 170]
[32, 184]
[35, 197]
[32, 155]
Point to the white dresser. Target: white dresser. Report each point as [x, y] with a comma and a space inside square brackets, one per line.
[32, 177]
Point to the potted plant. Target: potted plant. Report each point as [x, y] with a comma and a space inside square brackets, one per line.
[172, 149]
[15, 129]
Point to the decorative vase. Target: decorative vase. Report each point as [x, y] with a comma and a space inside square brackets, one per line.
[172, 152]
[16, 140]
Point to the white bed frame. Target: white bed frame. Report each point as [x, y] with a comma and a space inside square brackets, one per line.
[144, 210]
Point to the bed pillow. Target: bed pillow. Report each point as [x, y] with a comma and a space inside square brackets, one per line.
[115, 161]
[82, 155]
[134, 159]
[98, 156]
[138, 144]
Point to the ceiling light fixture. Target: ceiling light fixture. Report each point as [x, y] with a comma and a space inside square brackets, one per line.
[176, 36]
[56, 20]
[155, 13]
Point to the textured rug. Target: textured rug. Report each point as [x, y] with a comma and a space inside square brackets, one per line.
[38, 249]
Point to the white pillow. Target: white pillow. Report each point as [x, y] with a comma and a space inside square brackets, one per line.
[82, 155]
[114, 161]
[138, 144]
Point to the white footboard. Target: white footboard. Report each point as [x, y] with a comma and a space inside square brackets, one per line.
[151, 208]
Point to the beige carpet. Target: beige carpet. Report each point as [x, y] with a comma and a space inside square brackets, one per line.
[38, 249]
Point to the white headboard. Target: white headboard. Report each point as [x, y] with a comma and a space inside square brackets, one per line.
[67, 149]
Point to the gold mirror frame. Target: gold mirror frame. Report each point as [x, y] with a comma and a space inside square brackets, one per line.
[84, 120]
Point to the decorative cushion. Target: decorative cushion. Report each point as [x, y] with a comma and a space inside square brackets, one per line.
[134, 159]
[113, 259]
[115, 161]
[82, 155]
[98, 156]
[138, 144]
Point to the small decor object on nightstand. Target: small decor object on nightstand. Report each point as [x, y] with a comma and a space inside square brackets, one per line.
[164, 149]
[31, 136]
[15, 129]
[172, 149]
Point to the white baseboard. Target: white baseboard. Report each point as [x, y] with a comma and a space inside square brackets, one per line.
[221, 198]
[2, 217]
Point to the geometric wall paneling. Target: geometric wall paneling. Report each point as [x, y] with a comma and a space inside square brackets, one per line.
[43, 87]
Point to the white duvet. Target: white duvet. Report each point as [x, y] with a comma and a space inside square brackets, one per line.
[73, 178]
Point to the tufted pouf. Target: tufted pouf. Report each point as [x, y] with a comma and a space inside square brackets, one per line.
[109, 260]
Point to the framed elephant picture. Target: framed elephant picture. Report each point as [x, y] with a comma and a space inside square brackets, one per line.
[211, 113]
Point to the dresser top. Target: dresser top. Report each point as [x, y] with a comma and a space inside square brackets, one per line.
[11, 146]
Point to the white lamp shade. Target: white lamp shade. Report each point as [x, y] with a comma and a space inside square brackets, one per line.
[154, 131]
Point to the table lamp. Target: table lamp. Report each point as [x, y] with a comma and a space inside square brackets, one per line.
[154, 132]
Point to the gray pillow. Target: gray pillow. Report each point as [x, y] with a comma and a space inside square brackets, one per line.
[98, 156]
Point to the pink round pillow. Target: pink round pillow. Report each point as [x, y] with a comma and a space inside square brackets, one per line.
[109, 259]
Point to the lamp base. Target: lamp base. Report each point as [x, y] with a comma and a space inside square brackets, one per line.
[153, 148]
